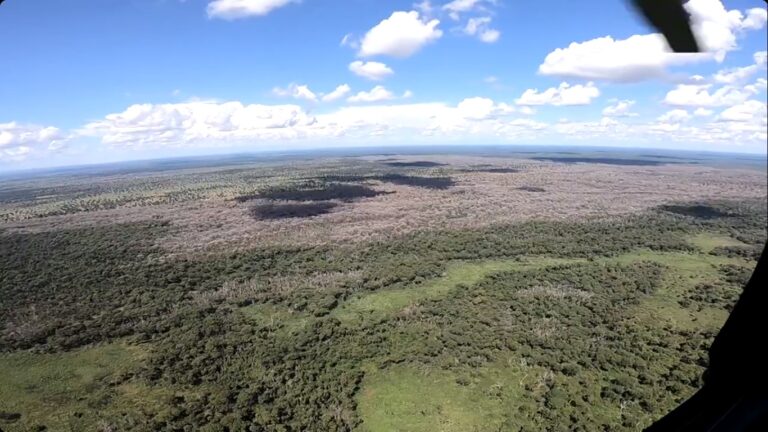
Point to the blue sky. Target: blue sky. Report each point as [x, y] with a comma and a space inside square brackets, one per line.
[102, 80]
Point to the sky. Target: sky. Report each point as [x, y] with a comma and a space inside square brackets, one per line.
[88, 81]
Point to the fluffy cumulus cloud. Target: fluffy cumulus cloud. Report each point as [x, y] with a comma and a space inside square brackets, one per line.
[234, 9]
[481, 28]
[641, 57]
[296, 91]
[376, 94]
[759, 86]
[337, 94]
[704, 95]
[622, 108]
[749, 111]
[755, 19]
[741, 74]
[372, 70]
[401, 35]
[457, 7]
[563, 95]
[735, 75]
[675, 116]
[199, 122]
[599, 129]
[19, 141]
[208, 124]
[479, 108]
[761, 58]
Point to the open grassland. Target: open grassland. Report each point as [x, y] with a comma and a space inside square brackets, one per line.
[386, 303]
[63, 391]
[408, 398]
[402, 309]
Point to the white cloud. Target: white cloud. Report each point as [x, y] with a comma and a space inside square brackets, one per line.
[755, 19]
[407, 94]
[703, 112]
[337, 94]
[490, 36]
[400, 35]
[605, 127]
[479, 108]
[372, 70]
[748, 111]
[759, 86]
[207, 124]
[18, 141]
[456, 7]
[761, 58]
[735, 75]
[747, 121]
[740, 74]
[234, 9]
[700, 96]
[350, 41]
[526, 110]
[675, 116]
[641, 57]
[296, 91]
[377, 94]
[621, 108]
[480, 27]
[425, 7]
[476, 108]
[201, 122]
[634, 59]
[563, 95]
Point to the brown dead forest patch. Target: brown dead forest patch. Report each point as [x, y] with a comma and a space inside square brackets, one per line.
[216, 222]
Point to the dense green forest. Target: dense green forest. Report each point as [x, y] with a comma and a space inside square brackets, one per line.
[539, 326]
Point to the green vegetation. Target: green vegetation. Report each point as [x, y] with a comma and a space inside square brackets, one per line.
[708, 242]
[386, 303]
[534, 326]
[686, 274]
[415, 399]
[65, 391]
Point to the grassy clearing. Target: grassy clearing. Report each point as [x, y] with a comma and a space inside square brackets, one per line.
[65, 391]
[382, 304]
[276, 317]
[685, 272]
[708, 241]
[492, 398]
[407, 398]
